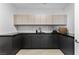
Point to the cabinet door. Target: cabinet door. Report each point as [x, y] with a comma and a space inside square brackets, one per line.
[49, 19]
[70, 46]
[36, 41]
[17, 42]
[44, 41]
[54, 41]
[62, 42]
[37, 19]
[59, 19]
[32, 19]
[18, 19]
[5, 45]
[28, 19]
[49, 41]
[27, 41]
[43, 20]
[67, 45]
[24, 19]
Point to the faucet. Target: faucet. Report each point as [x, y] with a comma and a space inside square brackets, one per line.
[40, 29]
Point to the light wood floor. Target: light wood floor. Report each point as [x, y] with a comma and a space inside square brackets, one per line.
[40, 52]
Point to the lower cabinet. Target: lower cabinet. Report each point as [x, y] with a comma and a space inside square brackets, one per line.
[49, 41]
[36, 41]
[5, 45]
[45, 41]
[10, 45]
[70, 45]
[27, 41]
[16, 43]
[31, 41]
[40, 41]
[66, 45]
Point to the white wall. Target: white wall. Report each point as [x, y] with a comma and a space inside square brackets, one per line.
[32, 29]
[70, 17]
[6, 18]
[39, 11]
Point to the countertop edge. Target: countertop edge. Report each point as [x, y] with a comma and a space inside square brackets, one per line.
[14, 34]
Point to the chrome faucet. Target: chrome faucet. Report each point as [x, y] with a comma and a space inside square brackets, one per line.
[40, 29]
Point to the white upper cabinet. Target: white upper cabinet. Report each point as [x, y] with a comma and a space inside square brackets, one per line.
[43, 19]
[40, 19]
[18, 19]
[23, 19]
[59, 19]
[37, 19]
[49, 20]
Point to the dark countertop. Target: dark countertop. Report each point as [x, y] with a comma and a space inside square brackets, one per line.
[14, 34]
[9, 34]
[69, 34]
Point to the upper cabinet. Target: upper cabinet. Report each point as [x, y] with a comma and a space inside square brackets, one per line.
[49, 20]
[59, 19]
[37, 20]
[40, 19]
[43, 19]
[23, 19]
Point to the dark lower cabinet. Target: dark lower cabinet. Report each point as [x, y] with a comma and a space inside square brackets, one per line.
[31, 41]
[5, 45]
[10, 45]
[49, 41]
[66, 44]
[27, 41]
[17, 43]
[44, 41]
[36, 42]
[70, 45]
[54, 41]
[41, 41]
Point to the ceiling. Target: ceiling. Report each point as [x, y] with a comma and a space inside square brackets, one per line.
[41, 5]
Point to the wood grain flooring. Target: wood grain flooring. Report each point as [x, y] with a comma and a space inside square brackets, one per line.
[40, 52]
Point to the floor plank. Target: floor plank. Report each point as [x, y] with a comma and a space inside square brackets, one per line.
[40, 52]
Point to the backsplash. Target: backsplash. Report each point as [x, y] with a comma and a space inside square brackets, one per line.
[32, 29]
